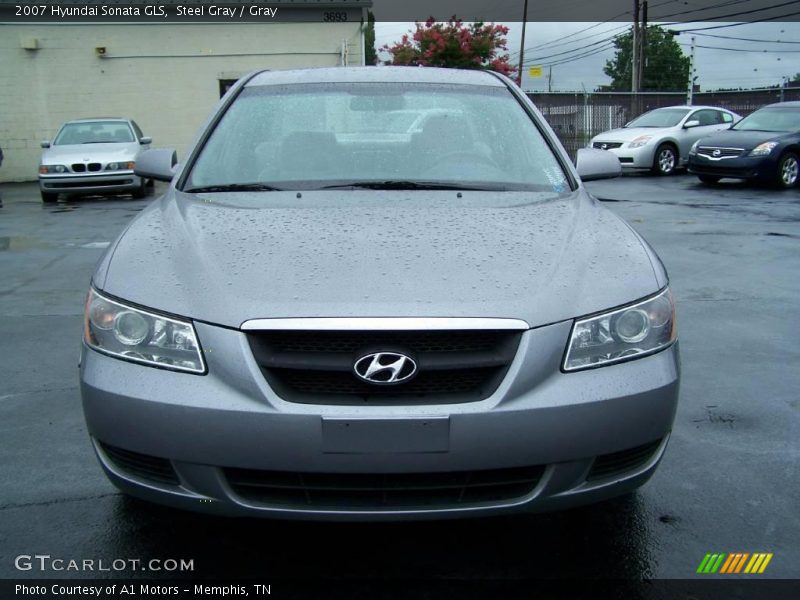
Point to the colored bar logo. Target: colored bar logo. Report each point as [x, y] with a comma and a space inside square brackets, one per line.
[736, 562]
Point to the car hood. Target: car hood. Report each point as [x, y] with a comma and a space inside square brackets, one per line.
[732, 138]
[75, 153]
[628, 134]
[392, 254]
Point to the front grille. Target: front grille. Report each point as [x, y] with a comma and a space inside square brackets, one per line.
[95, 166]
[619, 463]
[150, 468]
[316, 367]
[721, 170]
[606, 145]
[78, 168]
[353, 491]
[723, 152]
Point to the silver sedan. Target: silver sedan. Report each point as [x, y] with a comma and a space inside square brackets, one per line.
[660, 140]
[334, 324]
[93, 156]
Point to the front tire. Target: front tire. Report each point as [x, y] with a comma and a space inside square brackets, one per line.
[666, 160]
[709, 179]
[788, 168]
[49, 198]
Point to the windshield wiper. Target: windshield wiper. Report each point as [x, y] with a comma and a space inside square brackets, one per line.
[234, 187]
[410, 185]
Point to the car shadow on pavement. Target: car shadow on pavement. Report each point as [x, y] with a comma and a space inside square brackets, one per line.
[605, 540]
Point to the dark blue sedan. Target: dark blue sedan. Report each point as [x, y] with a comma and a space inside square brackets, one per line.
[763, 146]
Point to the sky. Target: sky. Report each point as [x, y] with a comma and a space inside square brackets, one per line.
[759, 66]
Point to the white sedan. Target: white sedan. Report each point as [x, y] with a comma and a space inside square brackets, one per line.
[660, 140]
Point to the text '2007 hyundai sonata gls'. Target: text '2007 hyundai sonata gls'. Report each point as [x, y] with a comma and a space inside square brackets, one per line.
[325, 318]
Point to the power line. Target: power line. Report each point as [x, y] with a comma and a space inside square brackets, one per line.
[538, 58]
[743, 49]
[743, 39]
[775, 18]
[704, 9]
[744, 12]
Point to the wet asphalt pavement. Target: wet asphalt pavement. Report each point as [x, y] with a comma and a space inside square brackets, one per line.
[729, 481]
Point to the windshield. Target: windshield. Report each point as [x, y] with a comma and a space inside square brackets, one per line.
[661, 117]
[771, 119]
[94, 132]
[401, 136]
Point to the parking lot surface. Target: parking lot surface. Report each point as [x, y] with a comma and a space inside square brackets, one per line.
[729, 481]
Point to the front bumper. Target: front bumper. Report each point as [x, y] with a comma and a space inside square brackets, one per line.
[745, 167]
[118, 181]
[632, 158]
[205, 426]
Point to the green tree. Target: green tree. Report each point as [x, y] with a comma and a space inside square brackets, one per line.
[665, 69]
[795, 79]
[453, 44]
[370, 55]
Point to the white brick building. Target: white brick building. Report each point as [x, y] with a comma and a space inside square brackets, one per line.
[166, 77]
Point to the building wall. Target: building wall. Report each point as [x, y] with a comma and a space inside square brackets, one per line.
[165, 77]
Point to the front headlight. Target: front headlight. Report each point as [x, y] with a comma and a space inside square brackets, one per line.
[763, 149]
[640, 141]
[140, 336]
[120, 166]
[630, 332]
[49, 169]
[693, 149]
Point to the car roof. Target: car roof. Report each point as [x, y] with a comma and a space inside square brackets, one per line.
[377, 74]
[696, 107]
[792, 104]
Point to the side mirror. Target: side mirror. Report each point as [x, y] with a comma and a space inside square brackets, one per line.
[157, 164]
[690, 124]
[594, 164]
[44, 144]
[145, 140]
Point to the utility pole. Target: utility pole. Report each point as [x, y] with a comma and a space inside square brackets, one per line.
[690, 91]
[522, 43]
[635, 48]
[550, 80]
[642, 48]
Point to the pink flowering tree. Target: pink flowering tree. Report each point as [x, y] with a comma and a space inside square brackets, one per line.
[454, 45]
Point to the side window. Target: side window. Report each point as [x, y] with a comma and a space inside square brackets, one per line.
[726, 117]
[705, 117]
[136, 130]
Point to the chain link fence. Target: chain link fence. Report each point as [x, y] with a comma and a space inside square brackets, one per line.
[576, 117]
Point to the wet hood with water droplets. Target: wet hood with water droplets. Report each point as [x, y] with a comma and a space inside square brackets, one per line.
[527, 256]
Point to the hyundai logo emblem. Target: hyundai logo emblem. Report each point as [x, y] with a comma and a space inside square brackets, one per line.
[604, 146]
[385, 368]
[717, 152]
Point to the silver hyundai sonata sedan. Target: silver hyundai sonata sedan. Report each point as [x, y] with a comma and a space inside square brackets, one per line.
[327, 319]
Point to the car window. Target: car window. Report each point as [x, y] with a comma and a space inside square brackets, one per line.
[310, 136]
[706, 117]
[771, 119]
[661, 117]
[94, 132]
[138, 131]
[726, 117]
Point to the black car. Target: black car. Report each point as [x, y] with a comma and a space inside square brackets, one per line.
[763, 146]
